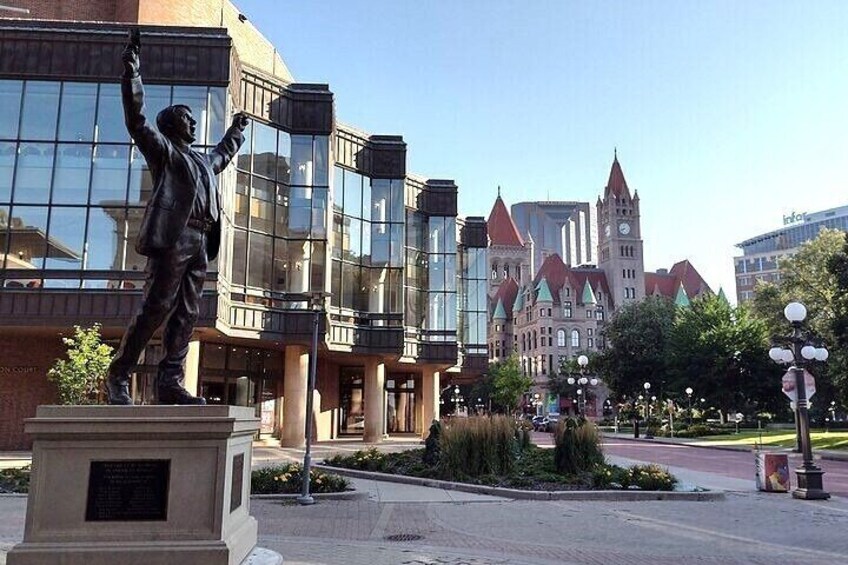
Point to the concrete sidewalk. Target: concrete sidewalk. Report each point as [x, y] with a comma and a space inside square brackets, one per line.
[831, 454]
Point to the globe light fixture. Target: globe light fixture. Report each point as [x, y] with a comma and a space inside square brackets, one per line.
[800, 352]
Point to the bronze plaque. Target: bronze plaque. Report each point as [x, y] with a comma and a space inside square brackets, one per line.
[238, 479]
[131, 490]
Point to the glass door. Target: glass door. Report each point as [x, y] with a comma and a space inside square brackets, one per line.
[352, 405]
[400, 408]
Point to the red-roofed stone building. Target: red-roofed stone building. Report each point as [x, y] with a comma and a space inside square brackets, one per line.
[559, 313]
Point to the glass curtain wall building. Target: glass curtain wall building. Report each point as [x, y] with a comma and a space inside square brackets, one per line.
[318, 220]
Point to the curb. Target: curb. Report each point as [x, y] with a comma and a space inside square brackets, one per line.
[347, 495]
[817, 454]
[517, 494]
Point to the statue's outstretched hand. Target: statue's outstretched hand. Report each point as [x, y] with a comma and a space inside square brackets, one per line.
[130, 55]
[240, 120]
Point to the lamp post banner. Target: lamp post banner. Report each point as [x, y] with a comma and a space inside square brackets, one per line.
[788, 385]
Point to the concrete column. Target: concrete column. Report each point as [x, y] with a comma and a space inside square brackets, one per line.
[375, 387]
[430, 388]
[296, 378]
[192, 367]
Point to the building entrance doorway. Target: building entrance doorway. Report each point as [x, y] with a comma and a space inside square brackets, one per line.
[352, 401]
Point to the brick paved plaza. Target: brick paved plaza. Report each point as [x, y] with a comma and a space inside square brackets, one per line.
[461, 528]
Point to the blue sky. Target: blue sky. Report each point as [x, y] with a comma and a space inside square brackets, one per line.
[726, 114]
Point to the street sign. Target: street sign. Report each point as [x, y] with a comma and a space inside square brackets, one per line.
[788, 385]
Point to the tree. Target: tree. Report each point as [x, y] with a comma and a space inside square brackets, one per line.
[722, 353]
[79, 378]
[638, 337]
[508, 382]
[817, 276]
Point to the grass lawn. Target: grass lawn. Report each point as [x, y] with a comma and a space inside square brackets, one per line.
[780, 438]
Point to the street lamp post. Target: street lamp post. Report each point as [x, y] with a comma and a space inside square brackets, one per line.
[800, 353]
[317, 302]
[582, 381]
[689, 392]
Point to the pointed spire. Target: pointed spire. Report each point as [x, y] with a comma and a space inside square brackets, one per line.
[616, 183]
[519, 301]
[615, 153]
[722, 296]
[543, 293]
[681, 299]
[499, 191]
[588, 297]
[500, 311]
[502, 230]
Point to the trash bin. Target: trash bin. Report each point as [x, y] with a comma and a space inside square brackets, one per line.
[772, 472]
[636, 428]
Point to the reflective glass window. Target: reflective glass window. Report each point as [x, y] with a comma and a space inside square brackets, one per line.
[302, 160]
[300, 211]
[262, 205]
[10, 101]
[66, 237]
[110, 115]
[450, 272]
[28, 236]
[34, 172]
[299, 259]
[319, 263]
[76, 115]
[366, 199]
[239, 264]
[264, 150]
[109, 174]
[396, 258]
[354, 240]
[397, 207]
[8, 152]
[281, 227]
[380, 244]
[71, 174]
[134, 261]
[322, 160]
[217, 114]
[338, 188]
[260, 261]
[436, 240]
[40, 110]
[338, 236]
[195, 97]
[242, 199]
[319, 212]
[380, 200]
[450, 235]
[281, 266]
[352, 194]
[106, 229]
[283, 157]
[141, 181]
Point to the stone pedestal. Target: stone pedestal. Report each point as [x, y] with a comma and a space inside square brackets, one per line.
[132, 485]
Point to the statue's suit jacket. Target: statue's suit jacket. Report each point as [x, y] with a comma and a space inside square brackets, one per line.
[176, 176]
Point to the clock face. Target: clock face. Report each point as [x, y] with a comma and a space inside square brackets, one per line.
[624, 228]
[607, 230]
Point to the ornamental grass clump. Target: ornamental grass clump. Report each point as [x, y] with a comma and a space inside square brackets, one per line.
[578, 447]
[478, 446]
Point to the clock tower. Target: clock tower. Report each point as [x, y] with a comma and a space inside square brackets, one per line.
[620, 239]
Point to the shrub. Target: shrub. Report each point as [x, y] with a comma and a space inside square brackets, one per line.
[473, 447]
[577, 447]
[651, 477]
[365, 460]
[15, 480]
[699, 430]
[288, 479]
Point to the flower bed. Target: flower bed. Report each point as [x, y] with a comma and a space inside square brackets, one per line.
[534, 469]
[278, 479]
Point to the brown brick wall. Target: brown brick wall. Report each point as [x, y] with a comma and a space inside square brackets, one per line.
[81, 10]
[24, 361]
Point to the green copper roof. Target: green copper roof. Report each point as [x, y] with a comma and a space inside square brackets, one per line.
[722, 296]
[588, 296]
[544, 292]
[519, 301]
[681, 299]
[500, 312]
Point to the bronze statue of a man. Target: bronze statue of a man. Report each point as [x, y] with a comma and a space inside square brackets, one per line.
[179, 234]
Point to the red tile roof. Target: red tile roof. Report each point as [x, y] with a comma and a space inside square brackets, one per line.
[507, 292]
[557, 273]
[616, 183]
[502, 230]
[666, 284]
